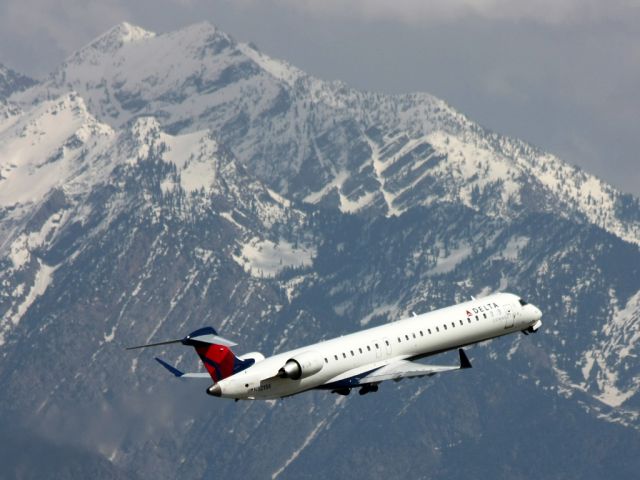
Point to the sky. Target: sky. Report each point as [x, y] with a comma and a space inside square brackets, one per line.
[561, 74]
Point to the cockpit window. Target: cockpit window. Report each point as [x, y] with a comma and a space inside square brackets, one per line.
[522, 302]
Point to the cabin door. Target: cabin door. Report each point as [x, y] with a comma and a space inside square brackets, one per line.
[377, 347]
[508, 316]
[387, 346]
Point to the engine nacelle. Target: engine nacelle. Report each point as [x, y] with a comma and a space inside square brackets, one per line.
[255, 356]
[302, 365]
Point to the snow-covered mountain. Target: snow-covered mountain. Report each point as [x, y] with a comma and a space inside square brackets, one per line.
[337, 145]
[154, 184]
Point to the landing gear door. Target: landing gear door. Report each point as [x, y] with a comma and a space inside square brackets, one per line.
[509, 316]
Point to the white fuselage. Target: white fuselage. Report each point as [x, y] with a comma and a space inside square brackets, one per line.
[419, 336]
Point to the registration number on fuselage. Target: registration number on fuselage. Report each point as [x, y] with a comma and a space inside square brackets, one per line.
[261, 388]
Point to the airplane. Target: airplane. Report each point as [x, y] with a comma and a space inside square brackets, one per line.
[360, 360]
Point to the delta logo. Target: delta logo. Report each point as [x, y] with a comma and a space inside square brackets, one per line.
[482, 308]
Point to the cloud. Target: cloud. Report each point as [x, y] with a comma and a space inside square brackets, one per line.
[49, 29]
[437, 11]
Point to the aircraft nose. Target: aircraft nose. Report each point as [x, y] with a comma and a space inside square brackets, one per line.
[536, 312]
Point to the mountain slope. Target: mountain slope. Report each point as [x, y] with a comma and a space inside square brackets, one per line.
[12, 82]
[333, 144]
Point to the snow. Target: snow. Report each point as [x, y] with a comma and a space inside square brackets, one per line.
[115, 38]
[12, 317]
[621, 338]
[111, 335]
[610, 394]
[626, 323]
[229, 217]
[513, 248]
[203, 254]
[514, 348]
[193, 154]
[19, 251]
[292, 286]
[378, 168]
[264, 258]
[451, 261]
[386, 309]
[24, 243]
[337, 182]
[279, 198]
[277, 68]
[602, 364]
[37, 153]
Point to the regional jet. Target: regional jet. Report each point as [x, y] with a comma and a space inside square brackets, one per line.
[360, 360]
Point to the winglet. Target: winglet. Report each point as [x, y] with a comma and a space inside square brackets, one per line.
[464, 361]
[172, 369]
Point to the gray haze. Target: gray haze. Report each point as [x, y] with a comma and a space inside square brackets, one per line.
[560, 74]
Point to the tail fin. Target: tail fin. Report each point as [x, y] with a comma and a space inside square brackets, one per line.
[213, 350]
[215, 353]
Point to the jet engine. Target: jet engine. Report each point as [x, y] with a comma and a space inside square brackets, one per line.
[302, 365]
[255, 356]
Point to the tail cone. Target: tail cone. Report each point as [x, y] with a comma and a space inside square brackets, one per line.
[214, 390]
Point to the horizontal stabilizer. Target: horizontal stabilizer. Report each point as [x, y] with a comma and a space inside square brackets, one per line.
[155, 344]
[202, 335]
[172, 369]
[179, 373]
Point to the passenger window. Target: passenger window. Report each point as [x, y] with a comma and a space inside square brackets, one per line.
[336, 357]
[414, 335]
[377, 346]
[453, 324]
[399, 341]
[484, 315]
[421, 333]
[352, 354]
[387, 342]
[368, 348]
[468, 319]
[344, 355]
[407, 337]
[437, 329]
[477, 319]
[429, 330]
[360, 350]
[445, 326]
[461, 322]
[326, 360]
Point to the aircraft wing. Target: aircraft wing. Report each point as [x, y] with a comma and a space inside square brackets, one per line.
[406, 369]
[395, 370]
